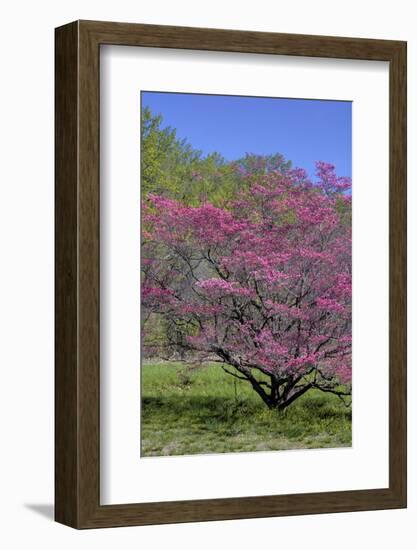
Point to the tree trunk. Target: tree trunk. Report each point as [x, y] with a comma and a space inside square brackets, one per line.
[274, 400]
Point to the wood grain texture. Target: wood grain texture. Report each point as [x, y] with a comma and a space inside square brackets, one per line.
[398, 273]
[78, 285]
[66, 237]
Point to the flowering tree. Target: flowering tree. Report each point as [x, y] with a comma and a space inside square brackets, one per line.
[262, 286]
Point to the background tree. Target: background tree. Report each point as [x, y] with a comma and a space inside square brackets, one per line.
[171, 167]
[166, 161]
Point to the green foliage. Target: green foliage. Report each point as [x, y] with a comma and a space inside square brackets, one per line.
[259, 165]
[171, 167]
[166, 161]
[344, 210]
[204, 410]
[212, 179]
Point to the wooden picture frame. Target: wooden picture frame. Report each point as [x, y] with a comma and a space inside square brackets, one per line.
[77, 382]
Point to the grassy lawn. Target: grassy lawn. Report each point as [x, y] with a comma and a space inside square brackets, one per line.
[208, 411]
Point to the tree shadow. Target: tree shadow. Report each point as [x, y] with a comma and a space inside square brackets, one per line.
[199, 407]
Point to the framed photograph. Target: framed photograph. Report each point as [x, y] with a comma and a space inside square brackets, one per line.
[230, 274]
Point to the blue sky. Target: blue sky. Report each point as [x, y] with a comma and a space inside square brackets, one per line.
[302, 130]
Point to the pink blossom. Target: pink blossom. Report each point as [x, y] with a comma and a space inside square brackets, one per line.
[264, 284]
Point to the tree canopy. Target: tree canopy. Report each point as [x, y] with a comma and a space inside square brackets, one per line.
[256, 276]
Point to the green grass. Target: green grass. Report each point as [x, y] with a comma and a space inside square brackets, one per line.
[208, 411]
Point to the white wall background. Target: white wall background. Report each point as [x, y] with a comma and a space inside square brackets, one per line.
[26, 272]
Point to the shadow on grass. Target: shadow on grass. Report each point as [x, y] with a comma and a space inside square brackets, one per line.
[324, 423]
[220, 407]
[207, 412]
